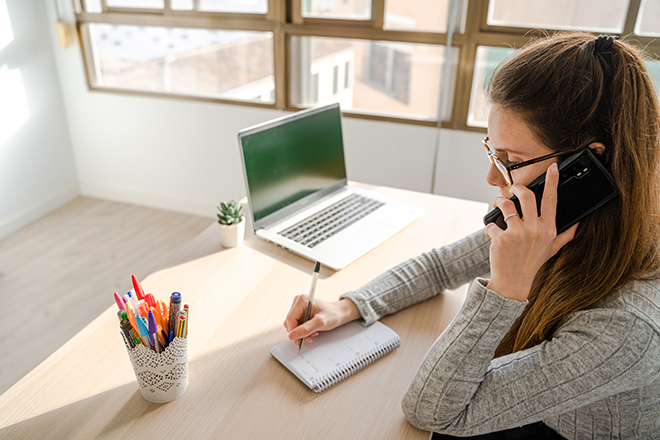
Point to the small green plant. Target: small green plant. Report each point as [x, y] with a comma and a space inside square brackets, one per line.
[230, 213]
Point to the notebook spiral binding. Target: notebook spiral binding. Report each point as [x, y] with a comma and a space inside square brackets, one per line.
[357, 364]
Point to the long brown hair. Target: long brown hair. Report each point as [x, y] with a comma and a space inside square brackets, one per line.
[573, 89]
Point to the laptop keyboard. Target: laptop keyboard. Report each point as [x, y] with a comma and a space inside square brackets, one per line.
[329, 221]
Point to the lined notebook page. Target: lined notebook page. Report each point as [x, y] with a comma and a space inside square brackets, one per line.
[336, 354]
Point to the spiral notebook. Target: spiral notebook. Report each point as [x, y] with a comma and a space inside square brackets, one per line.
[335, 355]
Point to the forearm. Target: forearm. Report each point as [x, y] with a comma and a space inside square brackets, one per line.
[420, 278]
[460, 390]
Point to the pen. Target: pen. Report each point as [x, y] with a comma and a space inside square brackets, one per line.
[144, 332]
[134, 303]
[312, 291]
[139, 292]
[153, 329]
[161, 307]
[120, 302]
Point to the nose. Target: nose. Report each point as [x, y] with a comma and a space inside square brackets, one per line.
[494, 177]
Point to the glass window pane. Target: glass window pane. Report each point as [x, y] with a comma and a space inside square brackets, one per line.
[422, 15]
[232, 6]
[93, 6]
[653, 67]
[142, 4]
[380, 77]
[487, 60]
[198, 62]
[588, 15]
[339, 9]
[647, 20]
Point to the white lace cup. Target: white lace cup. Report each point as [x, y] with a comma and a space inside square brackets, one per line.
[162, 376]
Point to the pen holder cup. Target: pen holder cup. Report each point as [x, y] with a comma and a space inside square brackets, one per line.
[162, 376]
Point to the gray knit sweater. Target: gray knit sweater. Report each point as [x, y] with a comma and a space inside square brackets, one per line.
[598, 378]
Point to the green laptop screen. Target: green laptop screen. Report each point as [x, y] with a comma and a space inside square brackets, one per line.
[287, 162]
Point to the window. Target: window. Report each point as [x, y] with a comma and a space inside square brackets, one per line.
[380, 59]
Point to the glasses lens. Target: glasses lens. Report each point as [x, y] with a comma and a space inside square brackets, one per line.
[500, 166]
[496, 160]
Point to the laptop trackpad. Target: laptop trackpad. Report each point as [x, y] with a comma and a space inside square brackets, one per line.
[361, 236]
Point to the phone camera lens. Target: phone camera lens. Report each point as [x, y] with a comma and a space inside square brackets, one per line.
[584, 161]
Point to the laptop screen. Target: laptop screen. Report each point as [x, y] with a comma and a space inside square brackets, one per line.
[291, 158]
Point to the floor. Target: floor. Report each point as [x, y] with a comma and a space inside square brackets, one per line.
[60, 272]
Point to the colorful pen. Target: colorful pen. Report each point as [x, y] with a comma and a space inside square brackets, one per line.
[137, 288]
[144, 332]
[312, 291]
[161, 307]
[153, 329]
[134, 303]
[120, 302]
[150, 300]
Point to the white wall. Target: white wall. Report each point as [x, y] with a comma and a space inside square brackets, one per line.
[183, 155]
[37, 170]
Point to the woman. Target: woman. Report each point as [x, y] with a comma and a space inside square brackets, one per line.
[563, 336]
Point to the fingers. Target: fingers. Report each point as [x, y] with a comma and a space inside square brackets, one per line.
[296, 313]
[549, 200]
[310, 328]
[563, 238]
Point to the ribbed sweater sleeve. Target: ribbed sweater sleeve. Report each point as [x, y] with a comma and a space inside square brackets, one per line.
[422, 277]
[460, 390]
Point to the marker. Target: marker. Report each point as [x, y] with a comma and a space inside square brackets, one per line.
[175, 306]
[120, 303]
[126, 331]
[137, 288]
[144, 333]
[171, 336]
[153, 329]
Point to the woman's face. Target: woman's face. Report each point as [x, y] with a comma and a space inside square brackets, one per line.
[513, 142]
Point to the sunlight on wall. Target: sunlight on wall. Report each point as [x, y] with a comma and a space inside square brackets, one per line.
[6, 33]
[14, 109]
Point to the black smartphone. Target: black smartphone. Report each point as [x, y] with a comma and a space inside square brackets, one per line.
[584, 186]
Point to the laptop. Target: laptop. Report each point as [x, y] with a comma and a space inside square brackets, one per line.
[297, 189]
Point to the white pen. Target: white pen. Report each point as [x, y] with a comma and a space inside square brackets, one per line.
[312, 290]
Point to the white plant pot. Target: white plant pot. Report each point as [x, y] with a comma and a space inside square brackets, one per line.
[232, 235]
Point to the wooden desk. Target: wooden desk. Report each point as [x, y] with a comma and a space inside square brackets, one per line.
[237, 390]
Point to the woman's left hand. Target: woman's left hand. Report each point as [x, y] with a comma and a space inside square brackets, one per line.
[517, 253]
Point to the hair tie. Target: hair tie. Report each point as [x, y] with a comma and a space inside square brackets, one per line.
[603, 43]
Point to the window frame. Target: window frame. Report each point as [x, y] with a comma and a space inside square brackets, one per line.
[284, 20]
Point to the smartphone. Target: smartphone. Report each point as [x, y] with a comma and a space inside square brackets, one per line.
[584, 186]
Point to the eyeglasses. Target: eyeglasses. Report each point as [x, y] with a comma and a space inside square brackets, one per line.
[506, 169]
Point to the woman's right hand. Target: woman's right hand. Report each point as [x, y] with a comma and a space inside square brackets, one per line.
[323, 316]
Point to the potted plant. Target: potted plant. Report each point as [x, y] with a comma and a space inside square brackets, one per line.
[232, 223]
